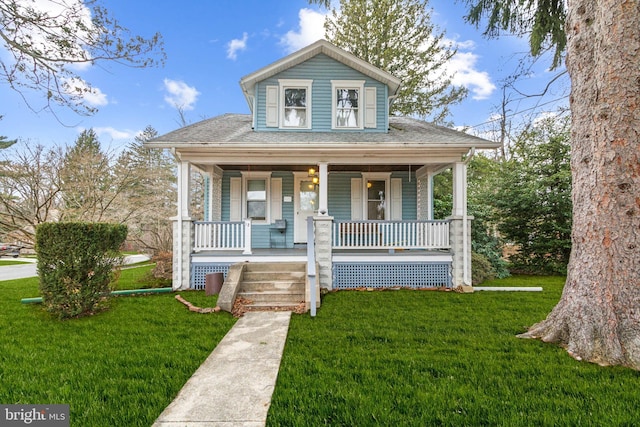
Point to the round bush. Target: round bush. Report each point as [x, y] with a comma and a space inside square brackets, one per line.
[481, 268]
[76, 265]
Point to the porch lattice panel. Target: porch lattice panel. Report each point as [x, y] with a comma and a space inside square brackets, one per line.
[379, 275]
[200, 270]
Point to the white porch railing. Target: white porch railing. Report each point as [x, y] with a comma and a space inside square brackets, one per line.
[391, 235]
[222, 236]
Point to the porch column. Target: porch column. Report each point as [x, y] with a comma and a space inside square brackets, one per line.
[323, 203]
[182, 229]
[424, 188]
[460, 229]
[459, 189]
[323, 242]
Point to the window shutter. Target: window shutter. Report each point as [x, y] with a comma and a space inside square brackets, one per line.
[356, 198]
[235, 198]
[272, 106]
[396, 199]
[370, 103]
[276, 199]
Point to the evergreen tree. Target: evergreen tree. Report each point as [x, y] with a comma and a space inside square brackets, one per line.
[86, 178]
[397, 36]
[597, 319]
[151, 195]
[533, 201]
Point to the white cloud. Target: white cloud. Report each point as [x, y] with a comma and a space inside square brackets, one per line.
[180, 95]
[311, 29]
[236, 45]
[115, 133]
[463, 68]
[544, 116]
[92, 96]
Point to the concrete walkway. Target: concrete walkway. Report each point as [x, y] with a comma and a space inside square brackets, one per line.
[233, 387]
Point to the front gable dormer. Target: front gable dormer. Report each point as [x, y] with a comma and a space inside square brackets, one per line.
[320, 88]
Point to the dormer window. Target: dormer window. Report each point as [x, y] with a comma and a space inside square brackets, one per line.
[347, 104]
[296, 104]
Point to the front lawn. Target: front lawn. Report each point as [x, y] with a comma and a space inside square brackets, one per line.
[121, 367]
[419, 358]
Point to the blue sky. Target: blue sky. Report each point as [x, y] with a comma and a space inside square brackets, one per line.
[211, 45]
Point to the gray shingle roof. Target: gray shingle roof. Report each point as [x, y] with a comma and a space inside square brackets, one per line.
[236, 128]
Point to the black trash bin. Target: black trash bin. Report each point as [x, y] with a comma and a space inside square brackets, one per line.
[213, 283]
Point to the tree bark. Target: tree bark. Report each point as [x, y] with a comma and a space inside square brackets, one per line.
[598, 316]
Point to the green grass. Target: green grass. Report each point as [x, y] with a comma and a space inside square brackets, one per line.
[415, 358]
[121, 367]
[11, 262]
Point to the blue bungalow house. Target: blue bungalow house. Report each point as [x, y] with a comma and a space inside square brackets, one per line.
[320, 175]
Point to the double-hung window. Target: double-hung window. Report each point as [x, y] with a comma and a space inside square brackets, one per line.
[295, 104]
[347, 104]
[256, 196]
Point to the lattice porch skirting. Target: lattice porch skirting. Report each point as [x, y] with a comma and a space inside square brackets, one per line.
[200, 270]
[379, 275]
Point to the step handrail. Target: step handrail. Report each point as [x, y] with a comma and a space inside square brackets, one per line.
[311, 265]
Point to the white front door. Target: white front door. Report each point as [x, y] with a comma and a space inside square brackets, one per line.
[306, 204]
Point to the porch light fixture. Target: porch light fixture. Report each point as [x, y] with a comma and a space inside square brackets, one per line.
[313, 174]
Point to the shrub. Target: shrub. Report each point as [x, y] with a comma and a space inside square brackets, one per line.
[481, 269]
[76, 265]
[164, 265]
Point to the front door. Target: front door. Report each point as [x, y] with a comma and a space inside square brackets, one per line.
[306, 204]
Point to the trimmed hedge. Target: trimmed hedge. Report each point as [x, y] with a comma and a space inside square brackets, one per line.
[76, 264]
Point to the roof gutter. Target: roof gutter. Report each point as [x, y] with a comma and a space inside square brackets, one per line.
[249, 95]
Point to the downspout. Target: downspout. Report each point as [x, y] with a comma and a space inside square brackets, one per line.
[465, 239]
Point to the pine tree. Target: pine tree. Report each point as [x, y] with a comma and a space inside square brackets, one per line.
[397, 36]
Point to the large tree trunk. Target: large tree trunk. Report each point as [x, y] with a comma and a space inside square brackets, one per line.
[598, 316]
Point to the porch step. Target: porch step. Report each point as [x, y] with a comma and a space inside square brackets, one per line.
[272, 286]
[274, 297]
[256, 276]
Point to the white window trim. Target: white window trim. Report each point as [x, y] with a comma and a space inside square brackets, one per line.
[347, 84]
[246, 176]
[376, 176]
[295, 83]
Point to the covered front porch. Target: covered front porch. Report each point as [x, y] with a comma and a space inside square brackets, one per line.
[369, 194]
[407, 248]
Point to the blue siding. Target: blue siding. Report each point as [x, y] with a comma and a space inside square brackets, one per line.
[207, 184]
[261, 233]
[340, 194]
[322, 69]
[226, 201]
[409, 196]
[339, 202]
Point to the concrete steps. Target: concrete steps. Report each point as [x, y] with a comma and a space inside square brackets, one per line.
[272, 286]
